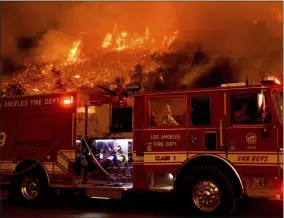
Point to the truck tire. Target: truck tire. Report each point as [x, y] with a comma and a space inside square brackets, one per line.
[30, 187]
[209, 191]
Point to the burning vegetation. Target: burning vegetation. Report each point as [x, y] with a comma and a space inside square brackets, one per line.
[170, 61]
[114, 64]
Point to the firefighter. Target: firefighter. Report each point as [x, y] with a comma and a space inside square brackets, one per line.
[95, 151]
[164, 117]
[77, 165]
[240, 115]
[130, 152]
[86, 158]
[119, 94]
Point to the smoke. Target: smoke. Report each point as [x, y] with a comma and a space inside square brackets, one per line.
[247, 33]
[62, 23]
[242, 39]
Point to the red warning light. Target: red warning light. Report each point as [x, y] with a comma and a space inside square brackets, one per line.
[68, 100]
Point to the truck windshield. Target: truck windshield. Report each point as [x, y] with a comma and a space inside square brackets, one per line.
[278, 96]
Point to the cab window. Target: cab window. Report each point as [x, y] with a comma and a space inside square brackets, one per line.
[249, 109]
[200, 111]
[121, 120]
[166, 111]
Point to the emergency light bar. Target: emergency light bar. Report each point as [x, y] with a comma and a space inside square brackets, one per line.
[233, 84]
[68, 101]
[270, 80]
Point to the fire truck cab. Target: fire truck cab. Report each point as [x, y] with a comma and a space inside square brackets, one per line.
[211, 146]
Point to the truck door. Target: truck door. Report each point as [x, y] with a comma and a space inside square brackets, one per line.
[252, 132]
[165, 132]
[205, 128]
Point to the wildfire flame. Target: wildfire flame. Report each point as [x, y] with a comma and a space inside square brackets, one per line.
[124, 40]
[74, 52]
[121, 51]
[107, 41]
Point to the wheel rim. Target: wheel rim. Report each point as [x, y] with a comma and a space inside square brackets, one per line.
[30, 187]
[207, 196]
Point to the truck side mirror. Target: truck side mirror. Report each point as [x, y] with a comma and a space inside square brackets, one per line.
[261, 105]
[266, 128]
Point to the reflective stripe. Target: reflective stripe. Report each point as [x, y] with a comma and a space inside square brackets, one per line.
[256, 165]
[253, 158]
[53, 168]
[7, 165]
[281, 158]
[63, 162]
[162, 164]
[10, 166]
[237, 158]
[69, 154]
[163, 158]
[137, 158]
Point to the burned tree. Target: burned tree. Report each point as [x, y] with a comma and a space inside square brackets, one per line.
[137, 75]
[59, 85]
[199, 57]
[15, 89]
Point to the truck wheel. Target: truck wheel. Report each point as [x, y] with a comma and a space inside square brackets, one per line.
[30, 187]
[210, 191]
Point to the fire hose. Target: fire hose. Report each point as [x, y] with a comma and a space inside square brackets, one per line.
[33, 166]
[97, 162]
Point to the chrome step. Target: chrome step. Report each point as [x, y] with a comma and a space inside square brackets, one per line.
[161, 188]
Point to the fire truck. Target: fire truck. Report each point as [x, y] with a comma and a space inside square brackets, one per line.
[209, 146]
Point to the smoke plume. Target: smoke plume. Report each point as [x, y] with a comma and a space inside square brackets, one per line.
[240, 37]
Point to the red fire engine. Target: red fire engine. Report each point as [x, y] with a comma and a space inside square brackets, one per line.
[211, 146]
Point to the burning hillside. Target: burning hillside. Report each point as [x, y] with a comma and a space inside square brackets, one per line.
[116, 59]
[122, 41]
[163, 55]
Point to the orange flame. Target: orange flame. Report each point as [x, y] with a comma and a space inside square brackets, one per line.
[74, 52]
[123, 40]
[76, 73]
[107, 40]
